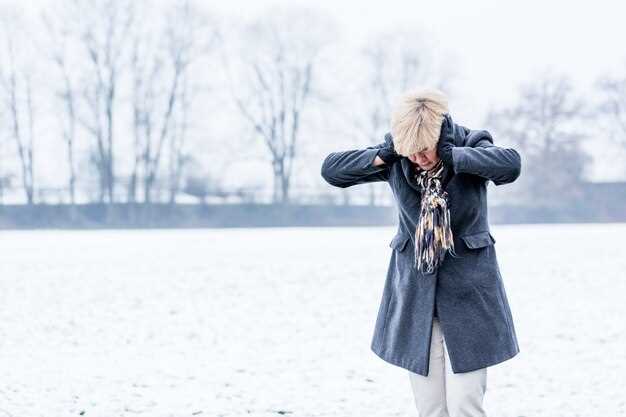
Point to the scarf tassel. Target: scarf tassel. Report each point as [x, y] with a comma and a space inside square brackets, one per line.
[433, 235]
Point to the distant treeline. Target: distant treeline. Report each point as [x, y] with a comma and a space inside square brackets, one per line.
[141, 101]
[87, 216]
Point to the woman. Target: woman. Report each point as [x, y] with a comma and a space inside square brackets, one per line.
[444, 314]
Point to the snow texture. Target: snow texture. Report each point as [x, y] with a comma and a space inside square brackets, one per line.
[271, 321]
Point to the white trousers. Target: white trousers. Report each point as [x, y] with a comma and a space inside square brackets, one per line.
[443, 393]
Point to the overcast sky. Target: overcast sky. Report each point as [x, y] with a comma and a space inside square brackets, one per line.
[498, 44]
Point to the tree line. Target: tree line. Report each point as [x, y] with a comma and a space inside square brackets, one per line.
[116, 101]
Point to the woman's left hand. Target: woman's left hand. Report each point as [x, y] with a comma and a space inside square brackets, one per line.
[446, 140]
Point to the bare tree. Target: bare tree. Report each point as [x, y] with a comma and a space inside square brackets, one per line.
[162, 94]
[611, 111]
[103, 28]
[59, 54]
[146, 66]
[178, 157]
[16, 82]
[279, 58]
[545, 125]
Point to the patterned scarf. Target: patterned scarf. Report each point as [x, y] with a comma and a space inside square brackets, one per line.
[433, 236]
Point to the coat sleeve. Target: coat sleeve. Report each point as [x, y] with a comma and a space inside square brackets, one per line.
[347, 168]
[483, 158]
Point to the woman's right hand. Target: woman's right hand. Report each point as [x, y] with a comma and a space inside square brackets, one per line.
[387, 153]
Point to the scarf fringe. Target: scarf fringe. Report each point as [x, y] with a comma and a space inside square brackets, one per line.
[433, 235]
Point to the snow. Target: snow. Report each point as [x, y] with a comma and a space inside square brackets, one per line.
[273, 321]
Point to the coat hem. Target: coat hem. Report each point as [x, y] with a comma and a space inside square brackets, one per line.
[402, 363]
[414, 367]
[497, 360]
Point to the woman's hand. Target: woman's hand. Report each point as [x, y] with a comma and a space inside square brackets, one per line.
[446, 140]
[387, 153]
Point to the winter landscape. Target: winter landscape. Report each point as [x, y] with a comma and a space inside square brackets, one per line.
[122, 120]
[267, 322]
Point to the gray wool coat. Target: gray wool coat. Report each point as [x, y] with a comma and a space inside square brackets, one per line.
[467, 291]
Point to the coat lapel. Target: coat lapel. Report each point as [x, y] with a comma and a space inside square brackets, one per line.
[448, 173]
[409, 172]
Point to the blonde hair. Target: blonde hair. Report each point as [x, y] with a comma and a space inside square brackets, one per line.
[416, 120]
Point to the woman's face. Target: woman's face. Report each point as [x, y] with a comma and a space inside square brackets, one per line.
[425, 159]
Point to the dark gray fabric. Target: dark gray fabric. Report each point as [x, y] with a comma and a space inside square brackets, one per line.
[470, 297]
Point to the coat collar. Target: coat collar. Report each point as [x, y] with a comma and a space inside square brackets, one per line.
[409, 174]
[409, 171]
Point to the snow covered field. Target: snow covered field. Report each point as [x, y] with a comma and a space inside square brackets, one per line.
[270, 322]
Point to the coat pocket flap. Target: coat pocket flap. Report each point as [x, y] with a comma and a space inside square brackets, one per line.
[399, 241]
[478, 240]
